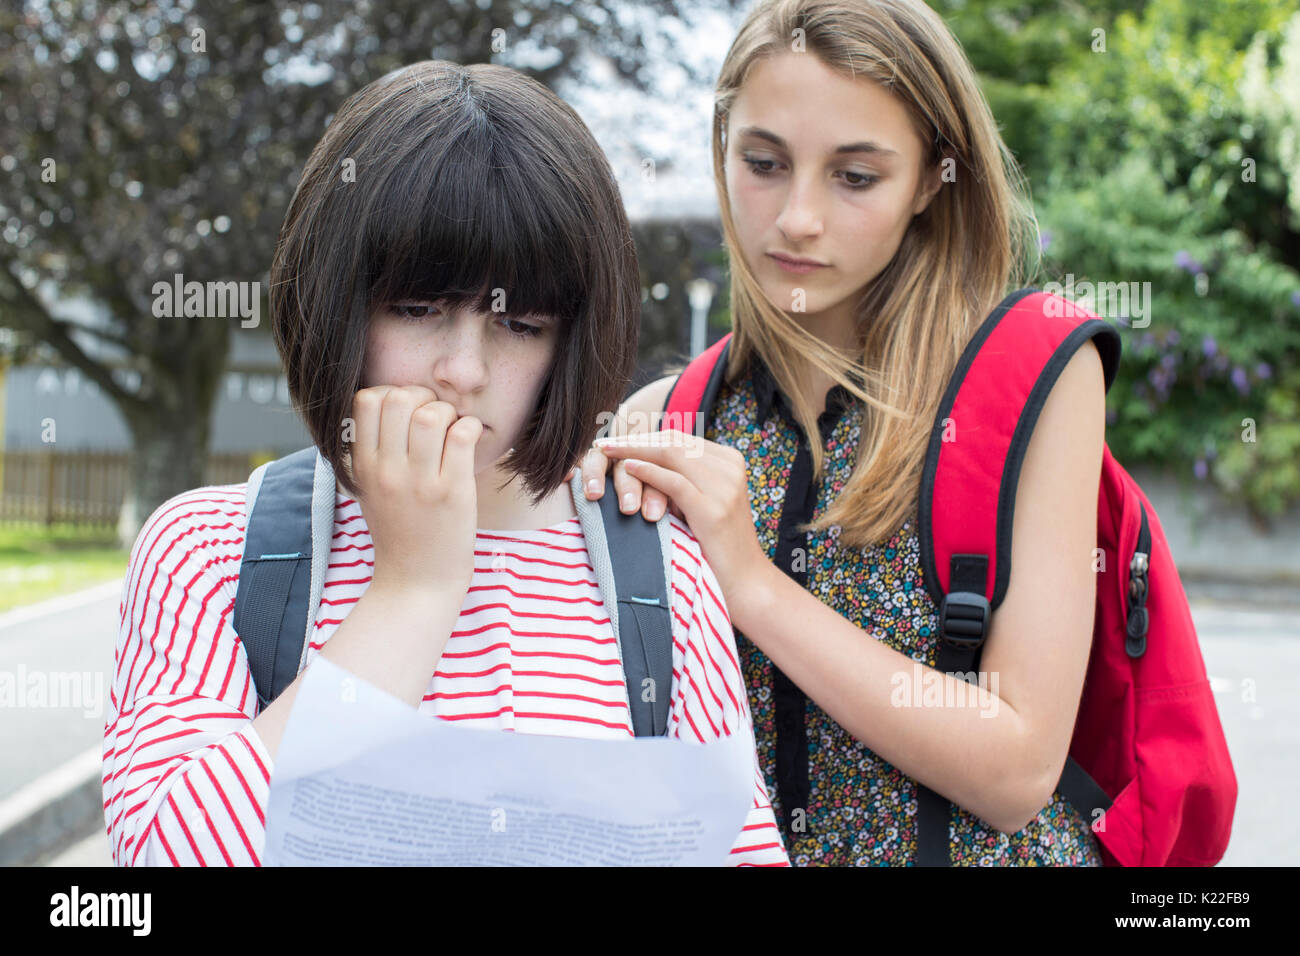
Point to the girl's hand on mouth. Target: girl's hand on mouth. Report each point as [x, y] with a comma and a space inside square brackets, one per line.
[414, 460]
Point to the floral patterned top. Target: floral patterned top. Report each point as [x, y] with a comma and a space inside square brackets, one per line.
[858, 809]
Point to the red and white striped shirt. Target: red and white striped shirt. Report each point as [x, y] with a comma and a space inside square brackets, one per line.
[187, 778]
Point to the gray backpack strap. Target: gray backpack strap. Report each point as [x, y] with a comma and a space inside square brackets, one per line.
[290, 522]
[632, 559]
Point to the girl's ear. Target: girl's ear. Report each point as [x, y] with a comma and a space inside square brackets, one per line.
[928, 187]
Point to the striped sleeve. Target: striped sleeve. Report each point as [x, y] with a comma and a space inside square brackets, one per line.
[186, 778]
[710, 702]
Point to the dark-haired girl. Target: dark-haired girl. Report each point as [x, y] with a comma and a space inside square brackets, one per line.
[455, 299]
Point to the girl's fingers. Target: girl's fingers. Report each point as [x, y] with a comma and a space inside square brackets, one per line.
[627, 488]
[695, 461]
[396, 408]
[366, 406]
[426, 440]
[594, 465]
[668, 484]
[458, 455]
[653, 503]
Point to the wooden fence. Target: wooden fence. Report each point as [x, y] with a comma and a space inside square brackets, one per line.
[88, 487]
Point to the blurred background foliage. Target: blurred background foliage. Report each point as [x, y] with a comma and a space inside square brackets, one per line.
[1162, 144]
[1161, 140]
[143, 139]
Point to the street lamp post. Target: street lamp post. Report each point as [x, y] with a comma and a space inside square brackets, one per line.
[700, 294]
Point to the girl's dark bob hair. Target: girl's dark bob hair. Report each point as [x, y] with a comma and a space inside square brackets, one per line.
[442, 181]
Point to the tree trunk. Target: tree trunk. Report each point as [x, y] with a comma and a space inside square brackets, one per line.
[171, 427]
[168, 456]
[170, 430]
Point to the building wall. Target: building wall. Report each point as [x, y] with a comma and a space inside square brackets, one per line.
[252, 412]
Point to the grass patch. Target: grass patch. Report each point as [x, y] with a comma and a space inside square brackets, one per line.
[38, 562]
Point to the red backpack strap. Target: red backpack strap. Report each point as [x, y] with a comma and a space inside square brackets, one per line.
[978, 443]
[691, 398]
[968, 490]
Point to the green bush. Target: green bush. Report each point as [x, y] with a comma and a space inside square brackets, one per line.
[1223, 338]
[1174, 158]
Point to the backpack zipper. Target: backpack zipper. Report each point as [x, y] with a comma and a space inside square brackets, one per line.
[1139, 588]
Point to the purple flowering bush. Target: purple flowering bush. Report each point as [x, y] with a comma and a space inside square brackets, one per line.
[1222, 347]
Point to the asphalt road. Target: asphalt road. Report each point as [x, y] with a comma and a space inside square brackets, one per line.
[1251, 653]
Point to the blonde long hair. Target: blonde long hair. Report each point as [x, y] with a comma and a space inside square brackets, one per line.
[956, 261]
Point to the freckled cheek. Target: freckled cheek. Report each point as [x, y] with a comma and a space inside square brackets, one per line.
[522, 375]
[375, 371]
[396, 356]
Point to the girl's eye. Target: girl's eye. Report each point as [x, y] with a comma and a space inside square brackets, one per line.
[764, 167]
[415, 312]
[525, 330]
[862, 180]
[412, 312]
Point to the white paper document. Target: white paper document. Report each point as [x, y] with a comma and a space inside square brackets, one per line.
[362, 779]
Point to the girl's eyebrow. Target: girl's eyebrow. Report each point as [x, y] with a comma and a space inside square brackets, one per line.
[866, 146]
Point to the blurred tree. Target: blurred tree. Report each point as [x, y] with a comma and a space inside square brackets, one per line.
[1169, 85]
[145, 139]
[1018, 47]
[671, 254]
[1172, 157]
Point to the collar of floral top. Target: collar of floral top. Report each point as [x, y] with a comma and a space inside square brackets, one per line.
[766, 392]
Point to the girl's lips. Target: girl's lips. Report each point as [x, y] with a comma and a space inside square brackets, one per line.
[796, 267]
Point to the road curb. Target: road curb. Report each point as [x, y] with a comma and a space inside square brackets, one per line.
[43, 816]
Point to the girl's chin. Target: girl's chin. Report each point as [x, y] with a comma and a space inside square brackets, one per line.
[784, 299]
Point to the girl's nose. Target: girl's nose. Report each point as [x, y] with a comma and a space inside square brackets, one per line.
[460, 369]
[802, 217]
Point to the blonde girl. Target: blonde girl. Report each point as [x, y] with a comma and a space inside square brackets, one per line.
[873, 218]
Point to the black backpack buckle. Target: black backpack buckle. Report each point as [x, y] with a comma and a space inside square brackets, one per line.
[964, 619]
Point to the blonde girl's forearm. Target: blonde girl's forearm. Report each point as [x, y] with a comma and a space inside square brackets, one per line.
[975, 754]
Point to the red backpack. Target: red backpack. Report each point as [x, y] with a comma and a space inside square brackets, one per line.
[1148, 765]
